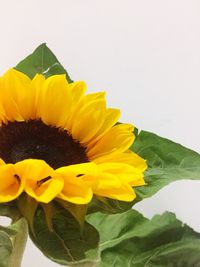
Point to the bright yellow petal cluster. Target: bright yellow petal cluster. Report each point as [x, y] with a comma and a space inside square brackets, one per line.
[112, 169]
[74, 183]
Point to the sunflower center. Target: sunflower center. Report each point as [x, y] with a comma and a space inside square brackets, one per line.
[36, 140]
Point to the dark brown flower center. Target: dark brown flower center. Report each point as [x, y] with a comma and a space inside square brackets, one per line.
[36, 140]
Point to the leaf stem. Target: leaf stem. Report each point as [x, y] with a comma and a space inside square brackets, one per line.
[19, 243]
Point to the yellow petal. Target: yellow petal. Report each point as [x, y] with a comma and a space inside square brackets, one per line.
[40, 181]
[111, 118]
[95, 96]
[11, 184]
[124, 193]
[108, 185]
[118, 139]
[9, 85]
[138, 182]
[16, 87]
[124, 172]
[83, 107]
[79, 169]
[88, 121]
[129, 157]
[75, 190]
[37, 83]
[3, 116]
[54, 101]
[2, 162]
[77, 91]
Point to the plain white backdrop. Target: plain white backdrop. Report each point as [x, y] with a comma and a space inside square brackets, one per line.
[144, 53]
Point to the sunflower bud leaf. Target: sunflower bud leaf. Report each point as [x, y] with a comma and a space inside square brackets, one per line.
[78, 211]
[27, 207]
[50, 211]
[66, 243]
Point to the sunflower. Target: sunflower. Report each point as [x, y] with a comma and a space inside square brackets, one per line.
[58, 142]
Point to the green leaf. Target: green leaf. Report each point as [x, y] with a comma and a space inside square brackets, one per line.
[78, 211]
[130, 240]
[42, 61]
[5, 248]
[12, 243]
[107, 205]
[66, 243]
[167, 161]
[49, 211]
[27, 206]
[9, 230]
[18, 241]
[10, 210]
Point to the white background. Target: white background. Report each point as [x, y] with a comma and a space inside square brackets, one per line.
[144, 53]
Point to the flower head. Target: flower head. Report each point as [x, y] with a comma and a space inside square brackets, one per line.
[58, 142]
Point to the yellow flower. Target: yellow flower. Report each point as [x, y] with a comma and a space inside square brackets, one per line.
[58, 142]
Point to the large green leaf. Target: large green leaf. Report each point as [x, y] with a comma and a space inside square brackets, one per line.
[130, 240]
[66, 242]
[167, 162]
[42, 61]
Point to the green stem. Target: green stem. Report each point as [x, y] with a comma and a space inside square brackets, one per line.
[19, 243]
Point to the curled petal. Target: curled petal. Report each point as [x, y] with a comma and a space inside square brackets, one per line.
[75, 190]
[11, 184]
[40, 181]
